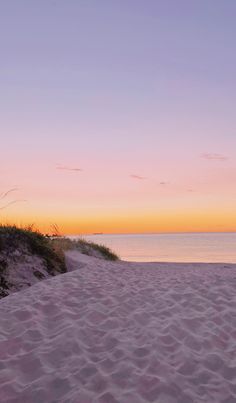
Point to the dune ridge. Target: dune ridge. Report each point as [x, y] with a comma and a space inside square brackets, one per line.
[109, 332]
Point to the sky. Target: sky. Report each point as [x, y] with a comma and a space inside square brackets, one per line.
[118, 116]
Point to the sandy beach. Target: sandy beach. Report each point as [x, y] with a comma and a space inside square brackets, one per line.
[109, 332]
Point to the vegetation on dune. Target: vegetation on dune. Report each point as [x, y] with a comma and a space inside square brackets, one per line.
[4, 284]
[86, 247]
[27, 256]
[51, 248]
[33, 242]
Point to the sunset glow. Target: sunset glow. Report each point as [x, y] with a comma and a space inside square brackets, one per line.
[123, 125]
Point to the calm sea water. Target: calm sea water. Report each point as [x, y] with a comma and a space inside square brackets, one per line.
[200, 247]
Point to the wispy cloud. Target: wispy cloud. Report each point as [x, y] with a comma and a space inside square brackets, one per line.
[70, 169]
[214, 157]
[164, 183]
[138, 177]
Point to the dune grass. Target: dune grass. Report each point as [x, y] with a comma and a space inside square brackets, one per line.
[83, 246]
[21, 244]
[33, 242]
[50, 248]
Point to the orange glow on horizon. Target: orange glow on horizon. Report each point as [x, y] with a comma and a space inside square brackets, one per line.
[114, 201]
[133, 222]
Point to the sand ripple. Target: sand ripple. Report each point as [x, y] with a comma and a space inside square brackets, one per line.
[122, 333]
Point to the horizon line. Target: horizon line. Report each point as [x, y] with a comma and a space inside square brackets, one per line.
[152, 233]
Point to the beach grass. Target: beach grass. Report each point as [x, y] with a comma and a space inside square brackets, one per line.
[27, 255]
[61, 244]
[33, 242]
[49, 247]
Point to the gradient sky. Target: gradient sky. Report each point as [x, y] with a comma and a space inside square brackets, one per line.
[118, 116]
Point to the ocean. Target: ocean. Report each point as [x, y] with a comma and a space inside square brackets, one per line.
[187, 247]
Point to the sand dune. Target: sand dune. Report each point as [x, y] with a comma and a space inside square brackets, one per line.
[121, 332]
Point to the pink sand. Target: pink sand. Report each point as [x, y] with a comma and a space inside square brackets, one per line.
[121, 332]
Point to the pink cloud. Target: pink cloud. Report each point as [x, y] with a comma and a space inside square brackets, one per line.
[70, 169]
[139, 177]
[214, 157]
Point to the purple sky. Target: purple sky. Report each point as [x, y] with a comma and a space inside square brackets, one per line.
[133, 88]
